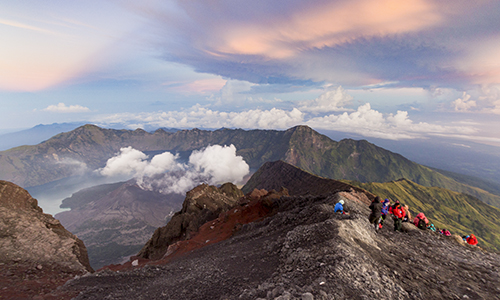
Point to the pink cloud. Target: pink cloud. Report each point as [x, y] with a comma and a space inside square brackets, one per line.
[327, 25]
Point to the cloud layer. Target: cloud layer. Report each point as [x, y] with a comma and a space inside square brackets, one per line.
[164, 173]
[333, 110]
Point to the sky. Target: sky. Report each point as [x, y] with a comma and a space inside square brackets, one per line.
[384, 69]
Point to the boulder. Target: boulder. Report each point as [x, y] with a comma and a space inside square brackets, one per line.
[408, 227]
[29, 235]
[37, 253]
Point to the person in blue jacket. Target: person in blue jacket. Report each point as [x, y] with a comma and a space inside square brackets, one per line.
[339, 207]
[385, 212]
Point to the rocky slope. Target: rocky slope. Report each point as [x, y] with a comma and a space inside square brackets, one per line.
[89, 147]
[116, 220]
[36, 252]
[460, 213]
[302, 250]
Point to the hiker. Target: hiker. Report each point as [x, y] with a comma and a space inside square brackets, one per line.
[445, 232]
[407, 217]
[421, 221]
[472, 240]
[431, 227]
[398, 215]
[376, 215]
[385, 212]
[339, 207]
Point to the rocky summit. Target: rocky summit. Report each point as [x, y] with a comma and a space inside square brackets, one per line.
[296, 247]
[36, 252]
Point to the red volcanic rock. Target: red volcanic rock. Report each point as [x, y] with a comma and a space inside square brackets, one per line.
[227, 224]
[202, 204]
[223, 227]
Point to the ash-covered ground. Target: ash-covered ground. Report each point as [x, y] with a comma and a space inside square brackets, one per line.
[306, 251]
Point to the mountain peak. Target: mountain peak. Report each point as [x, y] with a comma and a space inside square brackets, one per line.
[278, 174]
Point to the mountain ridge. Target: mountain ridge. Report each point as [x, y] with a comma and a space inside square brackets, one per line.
[90, 147]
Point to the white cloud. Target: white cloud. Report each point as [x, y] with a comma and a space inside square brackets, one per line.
[128, 162]
[332, 100]
[220, 163]
[62, 108]
[213, 165]
[371, 123]
[464, 104]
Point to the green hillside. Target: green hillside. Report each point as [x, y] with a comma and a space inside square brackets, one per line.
[457, 212]
[365, 162]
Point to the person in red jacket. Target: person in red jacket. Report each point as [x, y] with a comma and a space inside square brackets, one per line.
[423, 224]
[472, 240]
[398, 214]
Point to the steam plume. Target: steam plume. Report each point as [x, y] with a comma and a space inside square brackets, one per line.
[213, 165]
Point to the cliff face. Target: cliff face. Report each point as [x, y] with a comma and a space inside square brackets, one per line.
[202, 204]
[33, 243]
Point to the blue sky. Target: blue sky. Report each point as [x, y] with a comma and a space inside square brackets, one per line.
[385, 69]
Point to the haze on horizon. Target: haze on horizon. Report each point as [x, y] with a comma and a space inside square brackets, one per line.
[387, 69]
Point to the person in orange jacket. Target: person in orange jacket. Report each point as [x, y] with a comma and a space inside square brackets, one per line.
[398, 214]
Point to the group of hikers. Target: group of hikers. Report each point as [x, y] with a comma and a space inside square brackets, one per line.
[401, 213]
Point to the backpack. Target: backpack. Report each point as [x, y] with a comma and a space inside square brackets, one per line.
[421, 224]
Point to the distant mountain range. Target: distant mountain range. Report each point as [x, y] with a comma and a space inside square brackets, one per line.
[445, 153]
[90, 147]
[34, 135]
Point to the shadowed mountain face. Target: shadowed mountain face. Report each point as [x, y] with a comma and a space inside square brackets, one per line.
[301, 249]
[36, 252]
[89, 147]
[274, 175]
[116, 220]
